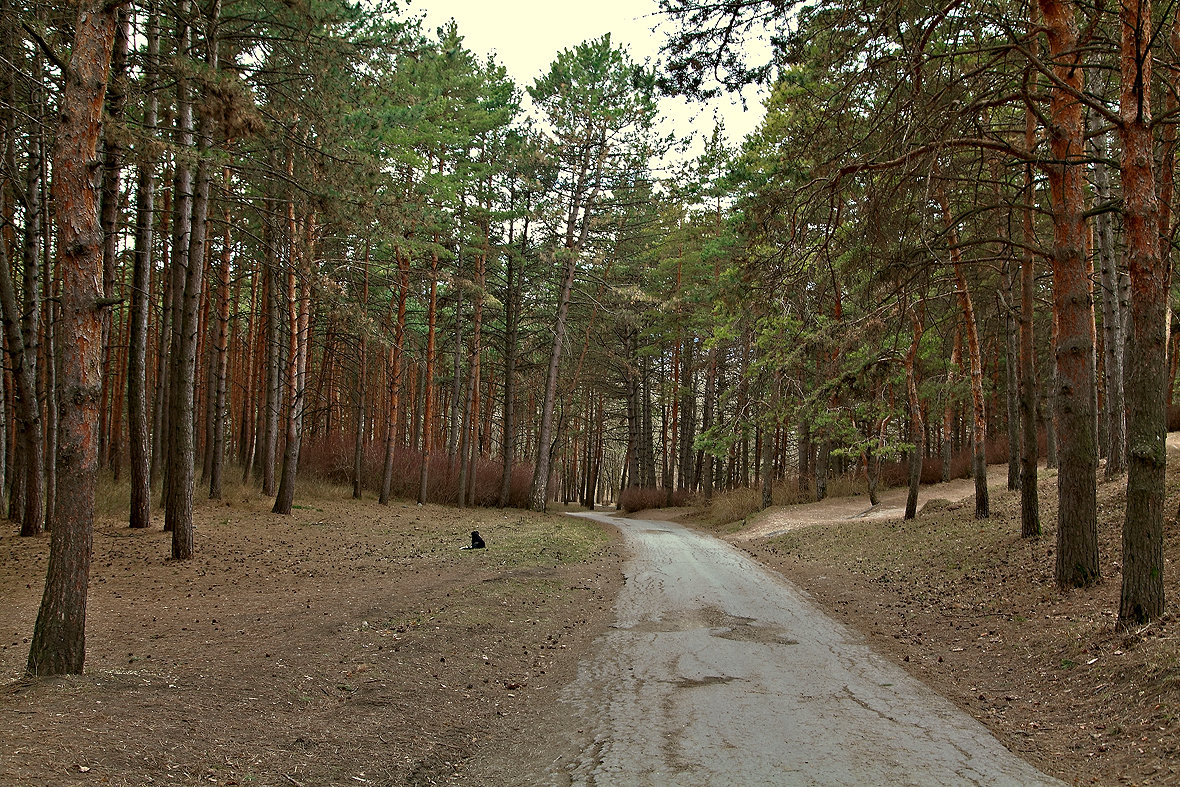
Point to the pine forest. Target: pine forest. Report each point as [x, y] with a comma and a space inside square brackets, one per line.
[250, 242]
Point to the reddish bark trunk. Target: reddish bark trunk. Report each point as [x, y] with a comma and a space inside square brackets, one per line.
[299, 313]
[1143, 529]
[1077, 448]
[59, 638]
[395, 371]
[428, 379]
[975, 360]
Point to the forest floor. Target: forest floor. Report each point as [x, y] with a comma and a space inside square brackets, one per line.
[350, 643]
[972, 610]
[354, 643]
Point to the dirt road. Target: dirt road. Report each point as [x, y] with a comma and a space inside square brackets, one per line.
[719, 672]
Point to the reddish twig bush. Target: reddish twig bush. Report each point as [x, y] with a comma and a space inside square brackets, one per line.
[638, 498]
[329, 459]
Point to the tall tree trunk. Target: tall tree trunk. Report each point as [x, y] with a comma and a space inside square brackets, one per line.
[823, 465]
[578, 220]
[1169, 138]
[59, 637]
[274, 357]
[358, 448]
[9, 51]
[248, 434]
[975, 359]
[34, 242]
[805, 454]
[395, 373]
[112, 167]
[465, 418]
[512, 291]
[22, 328]
[299, 313]
[917, 428]
[182, 209]
[1113, 340]
[1030, 507]
[707, 422]
[537, 493]
[649, 453]
[948, 414]
[1077, 530]
[139, 439]
[28, 411]
[46, 378]
[872, 470]
[766, 468]
[178, 509]
[221, 356]
[428, 379]
[459, 389]
[159, 430]
[687, 415]
[467, 481]
[1143, 528]
[1012, 384]
[634, 426]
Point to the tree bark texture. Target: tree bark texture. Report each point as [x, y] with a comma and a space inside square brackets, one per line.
[139, 439]
[512, 293]
[114, 152]
[917, 427]
[1113, 339]
[1011, 383]
[28, 411]
[1030, 507]
[537, 493]
[59, 636]
[178, 510]
[975, 360]
[1143, 529]
[221, 357]
[1077, 449]
[948, 413]
[274, 356]
[395, 373]
[428, 379]
[299, 305]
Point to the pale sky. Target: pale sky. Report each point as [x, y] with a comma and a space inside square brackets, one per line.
[526, 36]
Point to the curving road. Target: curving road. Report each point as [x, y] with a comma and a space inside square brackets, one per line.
[720, 672]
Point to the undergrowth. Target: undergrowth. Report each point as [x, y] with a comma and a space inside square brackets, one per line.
[734, 505]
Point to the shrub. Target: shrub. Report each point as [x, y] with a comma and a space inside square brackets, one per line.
[330, 460]
[638, 498]
[1174, 417]
[734, 504]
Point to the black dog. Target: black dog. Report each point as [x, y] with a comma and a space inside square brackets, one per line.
[476, 541]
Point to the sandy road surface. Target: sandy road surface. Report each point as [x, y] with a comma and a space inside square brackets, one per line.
[719, 672]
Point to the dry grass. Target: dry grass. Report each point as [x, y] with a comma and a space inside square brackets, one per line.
[727, 510]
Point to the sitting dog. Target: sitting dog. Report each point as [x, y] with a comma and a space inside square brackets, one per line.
[476, 541]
